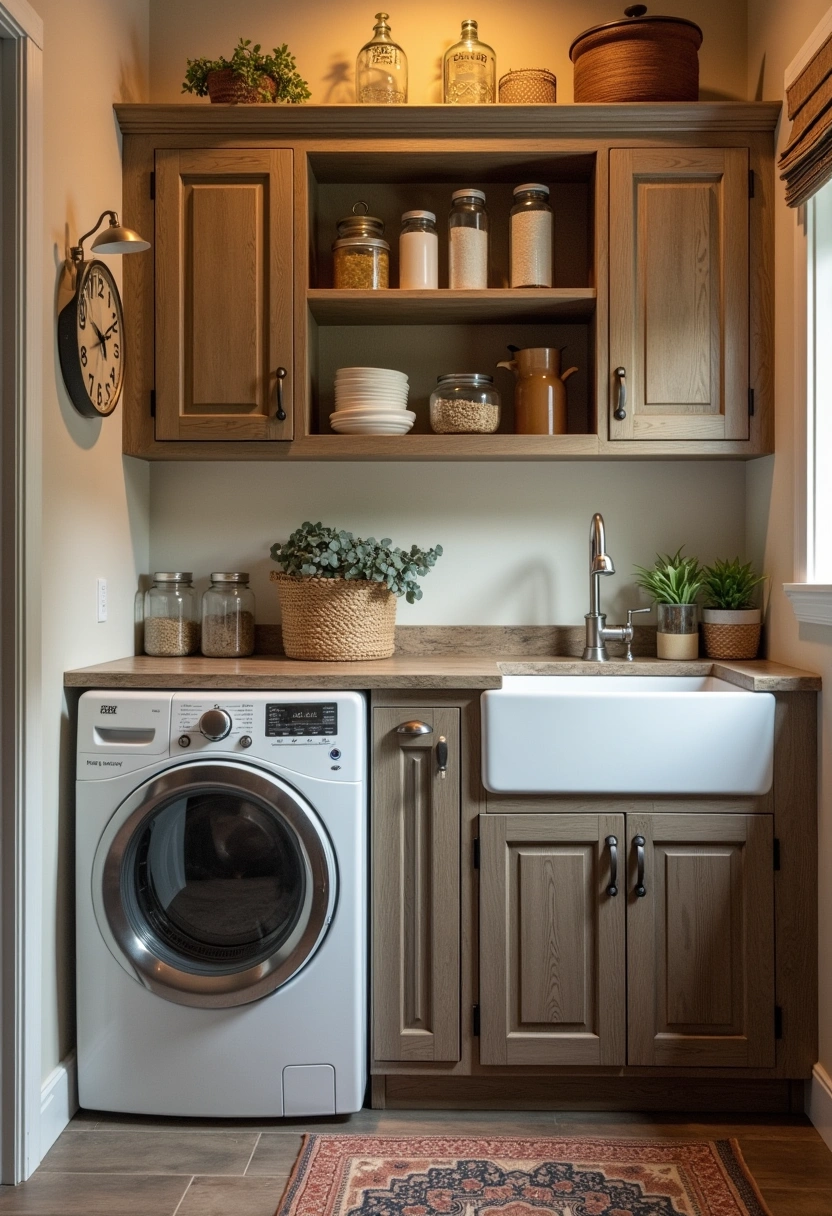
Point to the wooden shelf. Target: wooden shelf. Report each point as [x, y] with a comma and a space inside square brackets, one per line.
[447, 447]
[443, 306]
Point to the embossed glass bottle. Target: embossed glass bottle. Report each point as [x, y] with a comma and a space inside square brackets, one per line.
[381, 69]
[469, 70]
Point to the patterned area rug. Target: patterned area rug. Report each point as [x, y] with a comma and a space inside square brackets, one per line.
[501, 1176]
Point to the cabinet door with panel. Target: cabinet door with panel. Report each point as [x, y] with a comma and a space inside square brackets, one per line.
[223, 270]
[552, 939]
[679, 303]
[415, 890]
[700, 940]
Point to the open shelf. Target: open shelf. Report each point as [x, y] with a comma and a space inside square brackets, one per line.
[443, 306]
[448, 447]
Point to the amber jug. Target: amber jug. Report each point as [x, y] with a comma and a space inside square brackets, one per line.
[540, 392]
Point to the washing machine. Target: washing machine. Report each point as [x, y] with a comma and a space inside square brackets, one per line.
[221, 867]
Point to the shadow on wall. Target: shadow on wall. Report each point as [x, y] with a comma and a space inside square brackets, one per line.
[83, 431]
[340, 81]
[132, 75]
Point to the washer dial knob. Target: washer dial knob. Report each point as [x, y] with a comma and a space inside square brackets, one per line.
[215, 724]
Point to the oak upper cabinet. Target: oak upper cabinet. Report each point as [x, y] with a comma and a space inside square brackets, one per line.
[552, 939]
[415, 886]
[700, 940]
[679, 294]
[223, 293]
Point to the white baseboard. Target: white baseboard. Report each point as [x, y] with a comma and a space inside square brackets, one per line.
[819, 1102]
[58, 1102]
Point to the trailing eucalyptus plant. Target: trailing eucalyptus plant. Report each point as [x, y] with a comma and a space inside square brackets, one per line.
[672, 579]
[729, 585]
[316, 551]
[250, 66]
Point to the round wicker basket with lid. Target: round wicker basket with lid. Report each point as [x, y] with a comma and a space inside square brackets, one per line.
[638, 58]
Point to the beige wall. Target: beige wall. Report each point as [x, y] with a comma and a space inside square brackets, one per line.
[776, 33]
[95, 503]
[325, 38]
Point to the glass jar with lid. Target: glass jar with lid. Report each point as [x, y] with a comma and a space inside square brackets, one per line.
[418, 251]
[468, 240]
[531, 236]
[465, 403]
[381, 69]
[171, 615]
[469, 70]
[228, 617]
[360, 257]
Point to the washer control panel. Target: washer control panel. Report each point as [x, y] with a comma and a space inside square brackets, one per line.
[305, 722]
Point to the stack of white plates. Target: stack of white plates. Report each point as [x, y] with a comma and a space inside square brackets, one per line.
[371, 401]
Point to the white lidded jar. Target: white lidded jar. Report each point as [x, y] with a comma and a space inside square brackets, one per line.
[531, 236]
[418, 251]
[468, 240]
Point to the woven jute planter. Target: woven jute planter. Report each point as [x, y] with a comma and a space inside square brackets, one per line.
[226, 88]
[335, 619]
[731, 635]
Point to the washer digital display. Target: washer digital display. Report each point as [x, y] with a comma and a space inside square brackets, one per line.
[302, 721]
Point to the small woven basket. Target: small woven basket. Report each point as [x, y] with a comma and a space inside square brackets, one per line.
[731, 641]
[226, 88]
[335, 619]
[528, 86]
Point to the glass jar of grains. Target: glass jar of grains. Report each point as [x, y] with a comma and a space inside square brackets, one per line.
[531, 237]
[360, 258]
[171, 616]
[228, 617]
[468, 240]
[418, 251]
[464, 404]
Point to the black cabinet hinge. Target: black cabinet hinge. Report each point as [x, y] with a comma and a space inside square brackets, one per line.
[153, 403]
[751, 403]
[476, 852]
[476, 1021]
[153, 185]
[776, 853]
[778, 1021]
[750, 183]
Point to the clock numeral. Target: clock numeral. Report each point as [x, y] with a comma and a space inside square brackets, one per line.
[100, 394]
[109, 391]
[82, 313]
[116, 352]
[112, 377]
[83, 356]
[100, 283]
[91, 379]
[109, 300]
[114, 327]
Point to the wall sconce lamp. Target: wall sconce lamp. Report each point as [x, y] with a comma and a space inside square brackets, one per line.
[114, 239]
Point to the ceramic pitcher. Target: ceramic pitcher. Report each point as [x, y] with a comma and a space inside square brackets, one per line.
[540, 392]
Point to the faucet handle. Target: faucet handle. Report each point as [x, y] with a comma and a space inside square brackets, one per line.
[631, 612]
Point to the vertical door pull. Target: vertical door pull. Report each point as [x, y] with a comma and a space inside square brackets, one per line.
[612, 845]
[619, 412]
[280, 373]
[442, 756]
[639, 842]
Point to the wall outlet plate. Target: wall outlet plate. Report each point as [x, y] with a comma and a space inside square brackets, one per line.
[101, 600]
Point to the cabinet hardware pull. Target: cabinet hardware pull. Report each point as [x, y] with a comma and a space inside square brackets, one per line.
[612, 844]
[619, 412]
[280, 373]
[414, 728]
[641, 890]
[442, 756]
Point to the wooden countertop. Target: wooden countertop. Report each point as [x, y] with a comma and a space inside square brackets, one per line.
[435, 671]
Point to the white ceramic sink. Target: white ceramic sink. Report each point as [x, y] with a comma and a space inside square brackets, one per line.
[626, 735]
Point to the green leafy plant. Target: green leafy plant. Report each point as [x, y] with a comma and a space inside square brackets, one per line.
[730, 584]
[672, 579]
[316, 551]
[250, 66]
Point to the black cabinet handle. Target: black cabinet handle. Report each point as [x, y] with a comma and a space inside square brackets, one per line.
[280, 373]
[442, 756]
[639, 842]
[612, 845]
[620, 413]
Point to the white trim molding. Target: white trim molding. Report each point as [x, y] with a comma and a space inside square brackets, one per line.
[58, 1101]
[819, 1102]
[811, 602]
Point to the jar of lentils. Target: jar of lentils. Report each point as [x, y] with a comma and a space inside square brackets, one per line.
[171, 615]
[228, 617]
[468, 240]
[531, 237]
[360, 257]
[465, 404]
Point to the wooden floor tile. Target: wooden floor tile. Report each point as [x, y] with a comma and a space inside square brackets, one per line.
[275, 1155]
[780, 1163]
[136, 1151]
[232, 1197]
[795, 1203]
[52, 1194]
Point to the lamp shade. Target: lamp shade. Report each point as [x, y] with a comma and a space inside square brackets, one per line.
[118, 239]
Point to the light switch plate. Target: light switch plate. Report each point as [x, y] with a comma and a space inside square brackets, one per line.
[101, 600]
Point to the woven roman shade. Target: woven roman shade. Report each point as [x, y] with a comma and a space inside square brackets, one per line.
[806, 162]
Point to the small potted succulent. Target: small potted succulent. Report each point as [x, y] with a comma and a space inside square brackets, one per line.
[674, 582]
[248, 76]
[731, 625]
[338, 592]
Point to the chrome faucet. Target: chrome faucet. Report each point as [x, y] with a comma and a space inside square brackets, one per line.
[597, 633]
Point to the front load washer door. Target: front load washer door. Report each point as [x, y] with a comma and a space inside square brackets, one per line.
[214, 884]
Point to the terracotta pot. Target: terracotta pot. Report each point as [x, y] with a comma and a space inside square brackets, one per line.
[731, 634]
[226, 88]
[638, 58]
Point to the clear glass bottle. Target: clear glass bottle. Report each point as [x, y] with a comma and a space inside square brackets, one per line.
[468, 240]
[469, 70]
[381, 69]
[228, 617]
[171, 615]
[532, 226]
[465, 403]
[418, 251]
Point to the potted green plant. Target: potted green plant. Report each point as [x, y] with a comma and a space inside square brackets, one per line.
[674, 582]
[248, 76]
[731, 625]
[338, 592]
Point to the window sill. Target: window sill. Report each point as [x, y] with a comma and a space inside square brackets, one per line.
[811, 602]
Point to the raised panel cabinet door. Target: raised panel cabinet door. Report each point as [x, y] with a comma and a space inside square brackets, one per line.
[415, 900]
[679, 283]
[700, 940]
[223, 293]
[552, 939]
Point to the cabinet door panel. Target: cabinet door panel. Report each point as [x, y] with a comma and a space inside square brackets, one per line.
[551, 940]
[416, 814]
[223, 293]
[701, 941]
[679, 292]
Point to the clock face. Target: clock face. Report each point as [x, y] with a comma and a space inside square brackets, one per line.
[91, 341]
